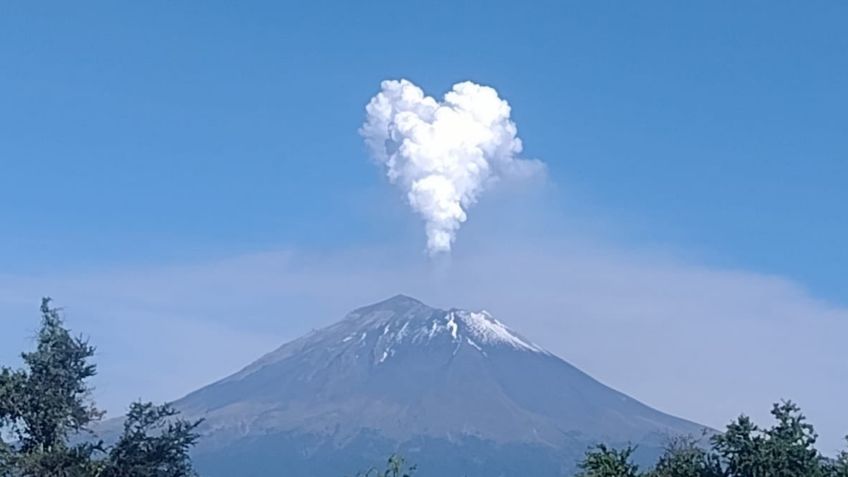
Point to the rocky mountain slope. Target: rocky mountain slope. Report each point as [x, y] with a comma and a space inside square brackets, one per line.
[457, 391]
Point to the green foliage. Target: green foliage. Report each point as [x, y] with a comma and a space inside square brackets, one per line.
[48, 402]
[603, 461]
[787, 449]
[60, 461]
[152, 444]
[683, 457]
[50, 398]
[839, 466]
[42, 404]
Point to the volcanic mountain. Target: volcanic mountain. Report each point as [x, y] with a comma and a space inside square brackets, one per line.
[455, 391]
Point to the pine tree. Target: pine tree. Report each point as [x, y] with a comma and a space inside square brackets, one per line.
[48, 400]
[46, 408]
[787, 449]
[152, 444]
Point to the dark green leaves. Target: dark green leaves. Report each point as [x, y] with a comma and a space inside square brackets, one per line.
[48, 401]
[839, 466]
[787, 449]
[153, 444]
[603, 461]
[684, 457]
[53, 397]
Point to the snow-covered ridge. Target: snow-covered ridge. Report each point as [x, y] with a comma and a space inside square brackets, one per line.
[477, 330]
[485, 329]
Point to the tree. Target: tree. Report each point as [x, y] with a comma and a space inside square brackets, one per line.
[46, 408]
[790, 444]
[787, 449]
[603, 461]
[42, 404]
[683, 457]
[152, 444]
[839, 466]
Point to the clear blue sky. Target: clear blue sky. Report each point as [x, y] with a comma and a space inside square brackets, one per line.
[156, 131]
[140, 136]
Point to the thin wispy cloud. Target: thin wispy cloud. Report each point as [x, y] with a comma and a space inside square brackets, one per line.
[701, 342]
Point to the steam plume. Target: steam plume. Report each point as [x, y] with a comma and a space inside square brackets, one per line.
[443, 154]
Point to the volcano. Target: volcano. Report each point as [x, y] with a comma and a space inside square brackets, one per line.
[456, 392]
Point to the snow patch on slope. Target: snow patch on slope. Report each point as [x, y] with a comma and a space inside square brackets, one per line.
[476, 329]
[388, 334]
[452, 326]
[489, 331]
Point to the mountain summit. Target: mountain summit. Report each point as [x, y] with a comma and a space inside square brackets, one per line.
[457, 391]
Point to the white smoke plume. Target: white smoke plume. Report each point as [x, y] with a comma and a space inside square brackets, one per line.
[443, 155]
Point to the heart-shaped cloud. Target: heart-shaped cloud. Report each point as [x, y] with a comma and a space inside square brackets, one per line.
[443, 154]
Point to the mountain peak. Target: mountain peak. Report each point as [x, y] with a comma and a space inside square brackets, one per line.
[405, 320]
[398, 301]
[398, 306]
[400, 373]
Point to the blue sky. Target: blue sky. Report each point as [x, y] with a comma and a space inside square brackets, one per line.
[157, 134]
[159, 131]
